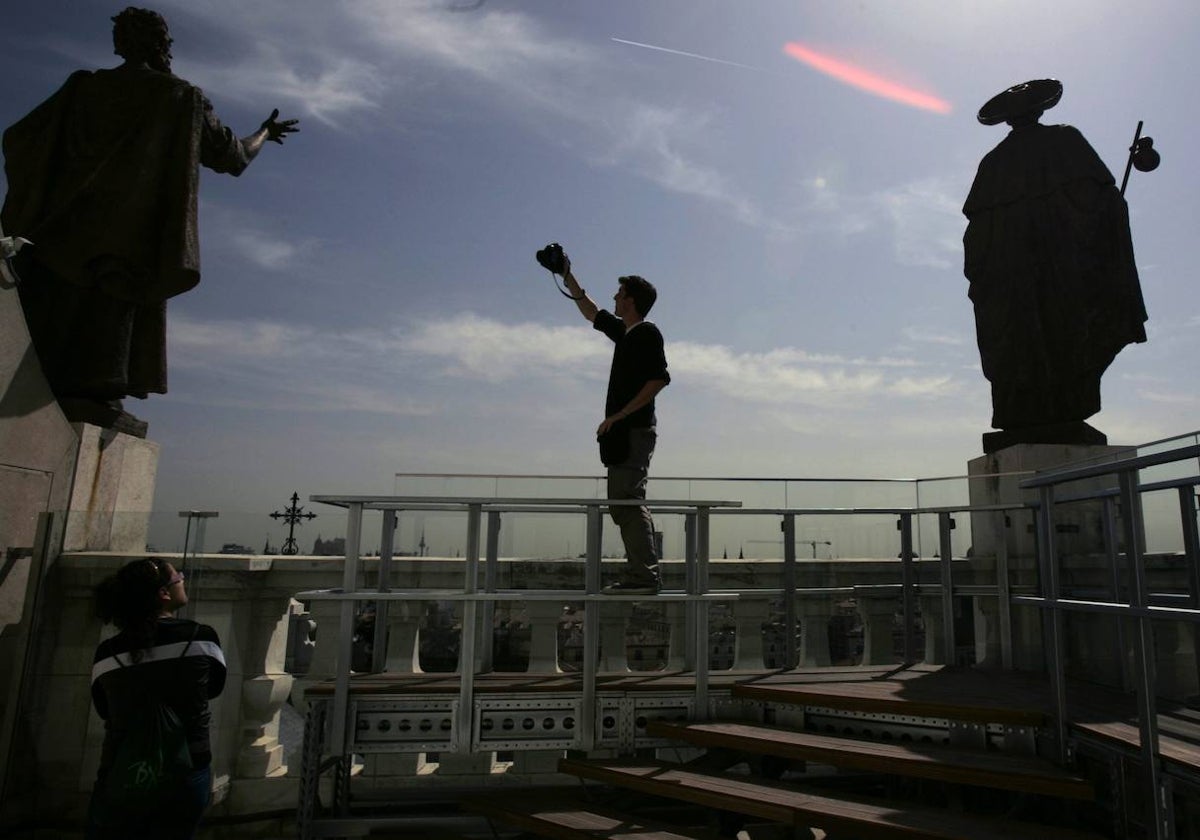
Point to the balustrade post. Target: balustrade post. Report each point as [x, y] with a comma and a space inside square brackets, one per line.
[878, 612]
[748, 614]
[543, 636]
[936, 652]
[248, 603]
[403, 655]
[814, 612]
[988, 631]
[265, 688]
[322, 666]
[614, 623]
[678, 655]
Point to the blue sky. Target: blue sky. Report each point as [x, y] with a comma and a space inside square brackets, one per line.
[370, 303]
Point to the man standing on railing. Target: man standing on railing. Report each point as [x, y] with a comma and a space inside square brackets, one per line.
[627, 433]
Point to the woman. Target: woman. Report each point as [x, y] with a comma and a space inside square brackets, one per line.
[151, 684]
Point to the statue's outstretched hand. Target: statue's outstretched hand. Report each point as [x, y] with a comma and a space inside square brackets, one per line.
[278, 129]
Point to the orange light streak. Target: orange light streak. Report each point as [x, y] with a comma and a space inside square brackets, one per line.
[865, 80]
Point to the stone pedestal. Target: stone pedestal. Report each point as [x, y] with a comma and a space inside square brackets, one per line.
[37, 460]
[1079, 544]
[995, 479]
[113, 492]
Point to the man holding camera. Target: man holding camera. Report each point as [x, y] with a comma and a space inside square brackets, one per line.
[627, 434]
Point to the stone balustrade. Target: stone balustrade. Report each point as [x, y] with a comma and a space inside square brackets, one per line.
[249, 602]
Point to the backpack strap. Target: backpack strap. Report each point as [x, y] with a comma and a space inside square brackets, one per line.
[183, 653]
[192, 638]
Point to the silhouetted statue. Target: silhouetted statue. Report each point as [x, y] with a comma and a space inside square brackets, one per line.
[103, 178]
[1052, 276]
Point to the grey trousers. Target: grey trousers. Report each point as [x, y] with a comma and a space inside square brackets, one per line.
[628, 481]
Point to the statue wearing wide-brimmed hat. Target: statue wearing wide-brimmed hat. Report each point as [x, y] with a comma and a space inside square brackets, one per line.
[1052, 277]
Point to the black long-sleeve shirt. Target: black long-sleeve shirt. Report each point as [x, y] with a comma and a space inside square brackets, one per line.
[184, 667]
[638, 358]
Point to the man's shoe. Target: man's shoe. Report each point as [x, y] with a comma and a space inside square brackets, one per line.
[627, 587]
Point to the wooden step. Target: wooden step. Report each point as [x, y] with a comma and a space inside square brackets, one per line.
[566, 817]
[954, 694]
[967, 767]
[1175, 750]
[857, 817]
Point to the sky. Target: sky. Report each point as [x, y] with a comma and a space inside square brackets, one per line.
[370, 303]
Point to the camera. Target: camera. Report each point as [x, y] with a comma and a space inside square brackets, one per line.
[552, 258]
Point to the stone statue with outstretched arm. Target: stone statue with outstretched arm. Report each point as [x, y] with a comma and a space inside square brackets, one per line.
[103, 178]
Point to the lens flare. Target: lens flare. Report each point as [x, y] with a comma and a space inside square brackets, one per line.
[865, 80]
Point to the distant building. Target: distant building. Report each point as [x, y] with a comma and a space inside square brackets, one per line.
[335, 547]
[234, 548]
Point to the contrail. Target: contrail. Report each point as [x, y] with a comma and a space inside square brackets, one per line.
[690, 55]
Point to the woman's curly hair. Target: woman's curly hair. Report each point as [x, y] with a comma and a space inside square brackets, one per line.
[129, 599]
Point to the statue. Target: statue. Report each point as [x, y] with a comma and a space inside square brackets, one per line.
[103, 179]
[1052, 277]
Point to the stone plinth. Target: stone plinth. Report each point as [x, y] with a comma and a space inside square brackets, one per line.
[1080, 549]
[113, 492]
[37, 460]
[995, 479]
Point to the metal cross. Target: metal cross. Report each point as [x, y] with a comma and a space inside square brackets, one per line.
[292, 516]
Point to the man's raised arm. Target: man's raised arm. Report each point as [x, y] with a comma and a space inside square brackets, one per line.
[587, 306]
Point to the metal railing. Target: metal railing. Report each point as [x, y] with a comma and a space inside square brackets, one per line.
[1137, 608]
[696, 513]
[1124, 540]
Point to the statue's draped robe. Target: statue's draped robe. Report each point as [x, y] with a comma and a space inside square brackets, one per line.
[103, 180]
[1052, 276]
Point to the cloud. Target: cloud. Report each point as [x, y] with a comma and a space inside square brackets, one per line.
[922, 217]
[651, 143]
[492, 351]
[533, 356]
[243, 235]
[926, 221]
[1169, 397]
[324, 86]
[927, 335]
[496, 45]
[543, 74]
[263, 250]
[243, 341]
[789, 375]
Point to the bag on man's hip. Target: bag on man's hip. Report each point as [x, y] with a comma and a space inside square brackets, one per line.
[614, 445]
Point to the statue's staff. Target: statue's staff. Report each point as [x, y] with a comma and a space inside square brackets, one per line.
[1141, 155]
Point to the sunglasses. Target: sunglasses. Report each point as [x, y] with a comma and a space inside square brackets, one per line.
[176, 578]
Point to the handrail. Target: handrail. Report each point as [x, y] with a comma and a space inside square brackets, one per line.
[1138, 607]
[1066, 474]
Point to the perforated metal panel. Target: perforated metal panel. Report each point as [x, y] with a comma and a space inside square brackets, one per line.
[399, 726]
[526, 723]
